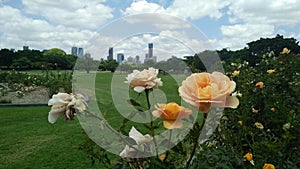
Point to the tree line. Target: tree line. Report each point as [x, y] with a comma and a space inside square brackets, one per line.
[58, 59]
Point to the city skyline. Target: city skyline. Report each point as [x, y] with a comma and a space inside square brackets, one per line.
[41, 24]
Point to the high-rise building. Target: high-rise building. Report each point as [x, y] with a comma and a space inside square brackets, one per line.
[137, 59]
[120, 58]
[110, 54]
[150, 50]
[80, 52]
[25, 47]
[74, 51]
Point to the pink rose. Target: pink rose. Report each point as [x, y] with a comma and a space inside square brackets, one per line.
[203, 90]
[141, 80]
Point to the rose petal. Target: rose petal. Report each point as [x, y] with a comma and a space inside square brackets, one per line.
[172, 124]
[232, 102]
[139, 89]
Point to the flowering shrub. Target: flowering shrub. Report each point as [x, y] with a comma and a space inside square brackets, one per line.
[266, 123]
[22, 83]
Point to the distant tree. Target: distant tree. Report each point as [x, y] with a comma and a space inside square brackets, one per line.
[108, 65]
[6, 57]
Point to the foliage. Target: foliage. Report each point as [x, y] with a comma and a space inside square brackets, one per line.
[23, 82]
[34, 59]
[275, 106]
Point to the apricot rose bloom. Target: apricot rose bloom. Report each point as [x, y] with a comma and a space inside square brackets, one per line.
[248, 157]
[171, 113]
[259, 84]
[203, 90]
[141, 80]
[65, 104]
[271, 71]
[268, 166]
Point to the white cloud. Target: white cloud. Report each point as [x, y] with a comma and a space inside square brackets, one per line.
[192, 9]
[18, 30]
[71, 13]
[236, 36]
[276, 12]
[195, 9]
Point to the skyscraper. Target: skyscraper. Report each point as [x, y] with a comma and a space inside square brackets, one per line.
[150, 50]
[80, 52]
[110, 54]
[120, 58]
[74, 51]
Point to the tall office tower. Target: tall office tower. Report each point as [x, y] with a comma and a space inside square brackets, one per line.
[74, 51]
[26, 47]
[80, 52]
[150, 50]
[110, 54]
[120, 58]
[137, 59]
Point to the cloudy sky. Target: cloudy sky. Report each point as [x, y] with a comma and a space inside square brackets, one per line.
[175, 27]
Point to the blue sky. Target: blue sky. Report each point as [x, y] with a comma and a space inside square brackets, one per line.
[44, 24]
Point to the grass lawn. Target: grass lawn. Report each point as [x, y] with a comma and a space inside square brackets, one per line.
[29, 141]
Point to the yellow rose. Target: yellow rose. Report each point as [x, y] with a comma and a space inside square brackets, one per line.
[240, 122]
[271, 71]
[269, 166]
[203, 90]
[259, 125]
[141, 80]
[285, 51]
[235, 73]
[171, 113]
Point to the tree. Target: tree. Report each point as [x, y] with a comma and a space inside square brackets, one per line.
[6, 57]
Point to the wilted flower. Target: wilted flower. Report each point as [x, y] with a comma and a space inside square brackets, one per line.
[259, 125]
[254, 110]
[271, 71]
[268, 166]
[259, 84]
[140, 139]
[235, 73]
[146, 79]
[285, 51]
[286, 126]
[249, 157]
[171, 113]
[65, 104]
[203, 90]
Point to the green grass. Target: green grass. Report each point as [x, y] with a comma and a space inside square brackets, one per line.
[29, 141]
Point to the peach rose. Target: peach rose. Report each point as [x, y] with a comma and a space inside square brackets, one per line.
[259, 84]
[65, 104]
[248, 157]
[203, 90]
[146, 79]
[269, 166]
[271, 71]
[171, 113]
